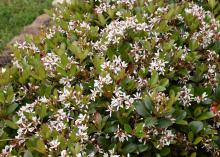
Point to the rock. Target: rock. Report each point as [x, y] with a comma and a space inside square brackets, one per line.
[32, 29]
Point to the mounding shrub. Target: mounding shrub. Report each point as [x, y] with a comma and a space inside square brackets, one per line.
[116, 78]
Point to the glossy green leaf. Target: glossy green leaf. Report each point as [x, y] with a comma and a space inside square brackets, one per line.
[140, 108]
[196, 126]
[206, 115]
[164, 123]
[129, 148]
[197, 140]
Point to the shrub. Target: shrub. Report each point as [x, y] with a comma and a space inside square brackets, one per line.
[118, 78]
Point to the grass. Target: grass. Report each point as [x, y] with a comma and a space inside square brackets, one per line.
[15, 14]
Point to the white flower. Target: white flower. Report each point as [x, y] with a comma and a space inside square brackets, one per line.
[50, 61]
[99, 84]
[158, 65]
[3, 70]
[43, 99]
[122, 136]
[201, 98]
[54, 144]
[185, 96]
[82, 132]
[167, 138]
[64, 153]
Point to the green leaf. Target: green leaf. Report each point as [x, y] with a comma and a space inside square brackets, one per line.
[164, 123]
[129, 148]
[148, 103]
[164, 82]
[212, 3]
[42, 112]
[12, 108]
[206, 115]
[193, 45]
[165, 151]
[196, 126]
[197, 140]
[102, 19]
[11, 124]
[150, 121]
[110, 129]
[2, 97]
[127, 128]
[78, 52]
[143, 147]
[197, 111]
[180, 114]
[154, 78]
[193, 154]
[10, 95]
[190, 136]
[97, 61]
[181, 122]
[217, 93]
[45, 131]
[140, 108]
[160, 89]
[139, 130]
[40, 146]
[28, 154]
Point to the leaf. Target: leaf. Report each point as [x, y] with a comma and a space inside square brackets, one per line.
[42, 111]
[143, 147]
[212, 3]
[160, 89]
[11, 124]
[196, 126]
[197, 111]
[193, 45]
[40, 146]
[150, 121]
[154, 78]
[180, 114]
[28, 154]
[164, 82]
[12, 108]
[165, 151]
[206, 115]
[197, 140]
[129, 148]
[102, 19]
[164, 123]
[190, 136]
[110, 129]
[181, 122]
[193, 154]
[2, 97]
[97, 61]
[139, 130]
[140, 108]
[78, 52]
[127, 128]
[148, 103]
[45, 131]
[217, 93]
